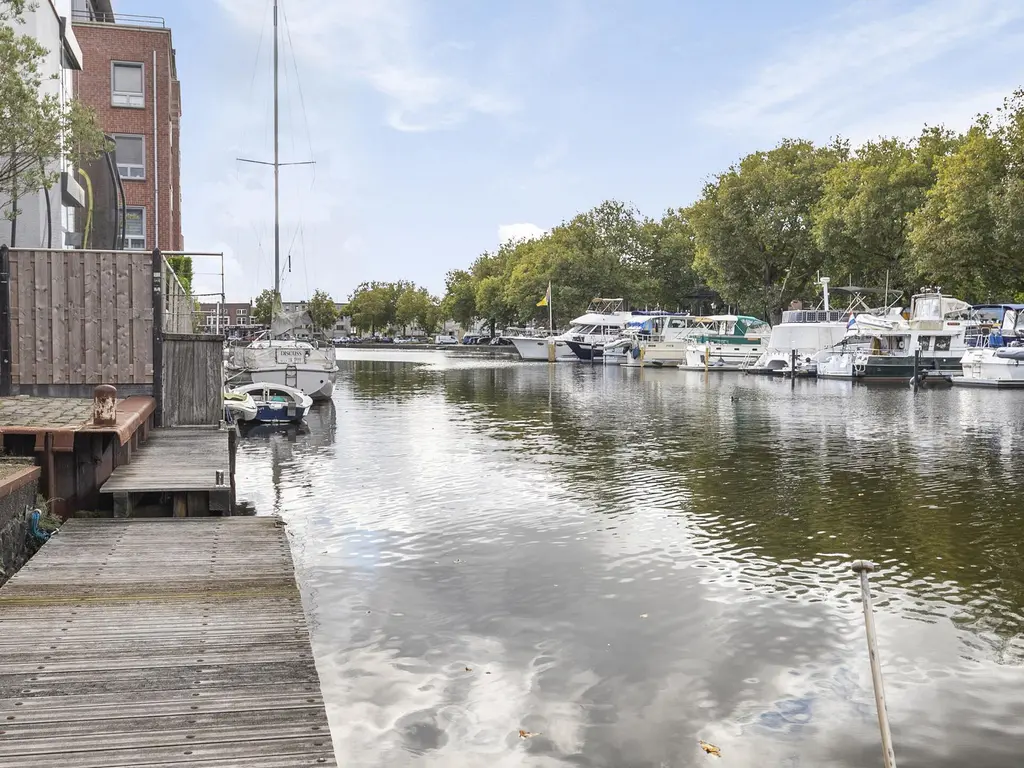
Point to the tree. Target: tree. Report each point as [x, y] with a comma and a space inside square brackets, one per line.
[182, 266]
[267, 304]
[752, 225]
[323, 312]
[417, 306]
[459, 302]
[962, 237]
[862, 220]
[36, 129]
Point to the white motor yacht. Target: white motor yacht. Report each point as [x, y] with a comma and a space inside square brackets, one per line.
[997, 359]
[803, 333]
[882, 347]
[730, 343]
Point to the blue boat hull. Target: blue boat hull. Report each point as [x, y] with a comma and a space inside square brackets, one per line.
[279, 413]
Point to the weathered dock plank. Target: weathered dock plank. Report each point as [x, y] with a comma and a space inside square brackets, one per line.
[159, 643]
[175, 459]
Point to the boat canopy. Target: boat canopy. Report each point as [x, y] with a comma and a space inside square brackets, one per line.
[935, 306]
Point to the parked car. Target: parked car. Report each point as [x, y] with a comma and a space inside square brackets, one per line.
[445, 338]
[500, 341]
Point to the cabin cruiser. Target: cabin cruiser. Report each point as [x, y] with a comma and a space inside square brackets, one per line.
[660, 341]
[803, 333]
[542, 345]
[278, 358]
[729, 343]
[604, 322]
[996, 356]
[891, 347]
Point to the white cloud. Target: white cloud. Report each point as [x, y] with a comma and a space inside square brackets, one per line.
[524, 231]
[872, 67]
[382, 44]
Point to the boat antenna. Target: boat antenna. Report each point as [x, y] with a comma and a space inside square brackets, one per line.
[277, 164]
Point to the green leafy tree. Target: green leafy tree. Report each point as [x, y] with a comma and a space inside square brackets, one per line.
[417, 306]
[862, 220]
[36, 129]
[323, 312]
[752, 225]
[962, 236]
[267, 304]
[459, 302]
[182, 267]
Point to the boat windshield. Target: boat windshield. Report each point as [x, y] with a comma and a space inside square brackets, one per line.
[927, 308]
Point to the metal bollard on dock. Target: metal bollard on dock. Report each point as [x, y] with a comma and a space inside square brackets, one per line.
[864, 567]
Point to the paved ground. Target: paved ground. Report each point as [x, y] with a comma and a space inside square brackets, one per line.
[45, 411]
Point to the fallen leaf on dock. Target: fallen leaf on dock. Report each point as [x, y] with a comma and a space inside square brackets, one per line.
[469, 669]
[526, 734]
[711, 749]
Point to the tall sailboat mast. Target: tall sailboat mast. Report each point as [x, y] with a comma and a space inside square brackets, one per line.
[277, 170]
[277, 181]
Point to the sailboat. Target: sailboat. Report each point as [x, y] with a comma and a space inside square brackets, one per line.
[278, 358]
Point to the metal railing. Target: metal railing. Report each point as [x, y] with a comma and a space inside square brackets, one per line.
[128, 19]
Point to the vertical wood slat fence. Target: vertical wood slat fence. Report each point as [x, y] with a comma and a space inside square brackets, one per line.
[72, 319]
[193, 380]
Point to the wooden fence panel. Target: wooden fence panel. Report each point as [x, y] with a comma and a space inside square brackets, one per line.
[193, 379]
[81, 318]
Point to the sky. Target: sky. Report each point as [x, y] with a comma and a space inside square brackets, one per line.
[439, 128]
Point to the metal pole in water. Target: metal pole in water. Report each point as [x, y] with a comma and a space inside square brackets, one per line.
[864, 567]
[792, 366]
[917, 367]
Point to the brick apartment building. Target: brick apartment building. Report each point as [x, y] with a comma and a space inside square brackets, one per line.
[131, 81]
[229, 315]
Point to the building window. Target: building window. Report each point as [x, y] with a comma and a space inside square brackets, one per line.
[135, 228]
[126, 85]
[131, 156]
[242, 312]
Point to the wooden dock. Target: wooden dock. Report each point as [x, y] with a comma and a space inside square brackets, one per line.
[159, 643]
[191, 465]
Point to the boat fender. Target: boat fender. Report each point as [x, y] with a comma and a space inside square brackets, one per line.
[635, 352]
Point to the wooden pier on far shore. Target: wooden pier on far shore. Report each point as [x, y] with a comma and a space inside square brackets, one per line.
[159, 643]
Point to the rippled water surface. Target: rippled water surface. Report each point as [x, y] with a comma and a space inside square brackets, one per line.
[625, 562]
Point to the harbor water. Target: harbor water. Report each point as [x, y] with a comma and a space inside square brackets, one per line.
[509, 564]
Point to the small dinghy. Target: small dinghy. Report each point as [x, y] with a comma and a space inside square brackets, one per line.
[239, 406]
[276, 403]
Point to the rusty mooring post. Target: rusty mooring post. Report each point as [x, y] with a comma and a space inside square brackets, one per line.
[104, 406]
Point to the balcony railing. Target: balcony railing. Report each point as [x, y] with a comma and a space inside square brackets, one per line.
[128, 19]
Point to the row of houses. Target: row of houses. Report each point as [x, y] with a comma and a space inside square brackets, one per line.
[123, 66]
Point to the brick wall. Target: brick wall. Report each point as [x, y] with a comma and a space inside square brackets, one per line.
[103, 44]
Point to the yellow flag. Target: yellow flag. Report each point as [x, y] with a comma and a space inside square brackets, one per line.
[547, 298]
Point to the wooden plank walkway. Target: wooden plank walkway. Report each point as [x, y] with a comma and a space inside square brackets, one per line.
[159, 643]
[175, 459]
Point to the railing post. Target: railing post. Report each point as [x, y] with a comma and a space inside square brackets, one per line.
[158, 335]
[6, 376]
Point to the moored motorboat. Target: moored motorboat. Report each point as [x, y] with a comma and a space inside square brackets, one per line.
[276, 403]
[803, 333]
[730, 343]
[303, 365]
[888, 347]
[997, 360]
[239, 406]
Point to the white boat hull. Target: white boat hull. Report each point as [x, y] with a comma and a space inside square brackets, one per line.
[982, 367]
[315, 382]
[299, 365]
[535, 348]
[721, 357]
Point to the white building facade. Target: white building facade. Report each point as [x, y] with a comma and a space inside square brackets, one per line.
[46, 218]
